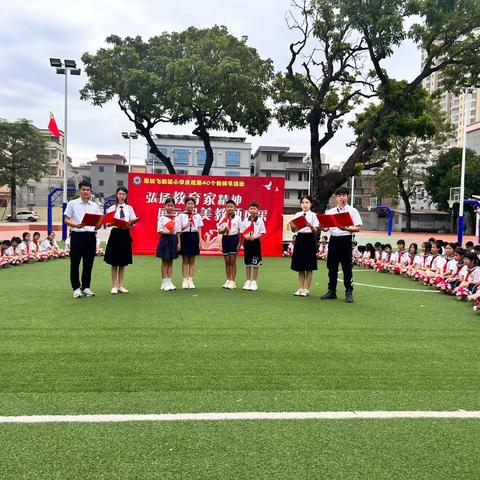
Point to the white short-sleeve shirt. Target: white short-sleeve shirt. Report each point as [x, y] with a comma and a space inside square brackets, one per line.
[164, 219]
[12, 251]
[311, 219]
[473, 275]
[258, 226]
[438, 263]
[185, 225]
[46, 245]
[235, 225]
[77, 208]
[357, 220]
[24, 249]
[128, 211]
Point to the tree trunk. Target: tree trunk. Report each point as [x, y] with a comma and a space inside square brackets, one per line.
[13, 199]
[154, 149]
[203, 134]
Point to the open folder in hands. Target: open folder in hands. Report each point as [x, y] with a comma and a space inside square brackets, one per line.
[91, 219]
[299, 222]
[335, 220]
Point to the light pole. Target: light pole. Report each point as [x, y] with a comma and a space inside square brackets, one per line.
[64, 68]
[466, 108]
[129, 136]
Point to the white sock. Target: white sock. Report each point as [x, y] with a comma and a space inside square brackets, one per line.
[190, 279]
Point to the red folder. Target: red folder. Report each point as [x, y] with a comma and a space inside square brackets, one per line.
[335, 220]
[123, 224]
[108, 218]
[299, 222]
[170, 225]
[91, 219]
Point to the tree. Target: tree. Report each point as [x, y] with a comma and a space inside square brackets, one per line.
[444, 174]
[23, 156]
[445, 31]
[406, 156]
[206, 76]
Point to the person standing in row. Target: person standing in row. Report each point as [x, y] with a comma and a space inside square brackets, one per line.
[118, 253]
[304, 258]
[190, 226]
[169, 243]
[229, 227]
[340, 247]
[83, 242]
[253, 228]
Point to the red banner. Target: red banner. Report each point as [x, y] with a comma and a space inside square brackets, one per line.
[147, 194]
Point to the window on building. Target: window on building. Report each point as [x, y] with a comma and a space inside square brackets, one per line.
[303, 176]
[180, 156]
[287, 175]
[287, 194]
[232, 173]
[268, 174]
[53, 154]
[31, 190]
[199, 172]
[232, 158]
[53, 171]
[269, 157]
[120, 183]
[101, 169]
[182, 172]
[302, 193]
[100, 183]
[163, 150]
[358, 201]
[201, 157]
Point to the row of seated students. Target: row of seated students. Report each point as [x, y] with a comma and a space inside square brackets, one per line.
[322, 251]
[29, 248]
[446, 266]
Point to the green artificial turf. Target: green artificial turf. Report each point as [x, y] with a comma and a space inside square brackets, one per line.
[211, 349]
[398, 449]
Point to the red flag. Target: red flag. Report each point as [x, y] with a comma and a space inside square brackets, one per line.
[52, 126]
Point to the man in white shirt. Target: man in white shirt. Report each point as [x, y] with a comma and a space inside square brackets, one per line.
[83, 240]
[340, 247]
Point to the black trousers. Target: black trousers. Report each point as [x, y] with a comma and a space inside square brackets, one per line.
[83, 245]
[340, 252]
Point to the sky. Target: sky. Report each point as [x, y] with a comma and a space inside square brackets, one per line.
[32, 32]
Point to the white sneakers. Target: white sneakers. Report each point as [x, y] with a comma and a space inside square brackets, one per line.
[114, 291]
[188, 283]
[167, 284]
[302, 292]
[78, 293]
[87, 292]
[122, 290]
[185, 283]
[229, 284]
[250, 285]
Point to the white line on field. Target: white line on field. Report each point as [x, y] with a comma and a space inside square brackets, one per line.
[213, 416]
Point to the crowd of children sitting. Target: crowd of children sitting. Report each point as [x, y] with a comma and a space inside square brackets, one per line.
[446, 266]
[29, 248]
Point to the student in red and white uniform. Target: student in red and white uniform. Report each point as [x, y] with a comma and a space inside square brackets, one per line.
[454, 279]
[384, 264]
[190, 227]
[304, 258]
[36, 241]
[449, 267]
[471, 280]
[322, 252]
[229, 227]
[27, 247]
[426, 261]
[252, 229]
[290, 247]
[14, 252]
[437, 262]
[169, 242]
[399, 258]
[118, 253]
[49, 245]
[414, 260]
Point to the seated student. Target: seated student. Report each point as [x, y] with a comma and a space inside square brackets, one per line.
[358, 254]
[368, 259]
[426, 261]
[453, 280]
[384, 263]
[322, 252]
[449, 268]
[27, 247]
[476, 249]
[13, 251]
[470, 282]
[437, 262]
[414, 261]
[399, 258]
[378, 250]
[469, 246]
[289, 251]
[36, 242]
[4, 260]
[50, 245]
